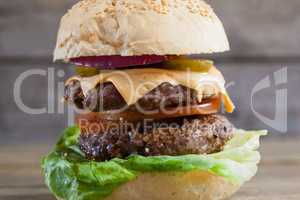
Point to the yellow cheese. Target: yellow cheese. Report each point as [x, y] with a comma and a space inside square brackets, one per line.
[229, 105]
[133, 84]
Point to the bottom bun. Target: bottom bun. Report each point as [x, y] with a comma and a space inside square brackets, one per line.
[195, 185]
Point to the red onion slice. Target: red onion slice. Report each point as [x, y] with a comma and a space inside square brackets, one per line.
[113, 62]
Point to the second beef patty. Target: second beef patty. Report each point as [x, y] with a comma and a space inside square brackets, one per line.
[193, 135]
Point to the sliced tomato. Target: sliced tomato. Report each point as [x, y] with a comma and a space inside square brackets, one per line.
[87, 121]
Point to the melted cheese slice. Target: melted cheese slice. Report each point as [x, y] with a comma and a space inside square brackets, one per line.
[133, 84]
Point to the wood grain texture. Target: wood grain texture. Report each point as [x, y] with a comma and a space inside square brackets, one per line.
[255, 27]
[278, 177]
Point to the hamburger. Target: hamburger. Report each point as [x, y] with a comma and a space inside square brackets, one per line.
[148, 114]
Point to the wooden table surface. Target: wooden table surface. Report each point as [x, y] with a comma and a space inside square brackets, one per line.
[278, 177]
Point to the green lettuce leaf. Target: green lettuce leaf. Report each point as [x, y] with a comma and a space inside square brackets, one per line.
[70, 176]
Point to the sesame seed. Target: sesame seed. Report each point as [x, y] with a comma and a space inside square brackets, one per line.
[197, 7]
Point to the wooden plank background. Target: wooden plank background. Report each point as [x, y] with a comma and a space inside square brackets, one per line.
[264, 36]
[255, 27]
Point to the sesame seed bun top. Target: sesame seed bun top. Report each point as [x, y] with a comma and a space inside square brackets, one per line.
[139, 27]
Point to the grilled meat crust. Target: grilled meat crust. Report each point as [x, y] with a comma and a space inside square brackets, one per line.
[191, 135]
[105, 97]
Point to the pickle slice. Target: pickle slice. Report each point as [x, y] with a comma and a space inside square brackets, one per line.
[196, 65]
[86, 71]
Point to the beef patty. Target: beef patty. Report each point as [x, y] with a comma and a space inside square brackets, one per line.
[193, 135]
[106, 97]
